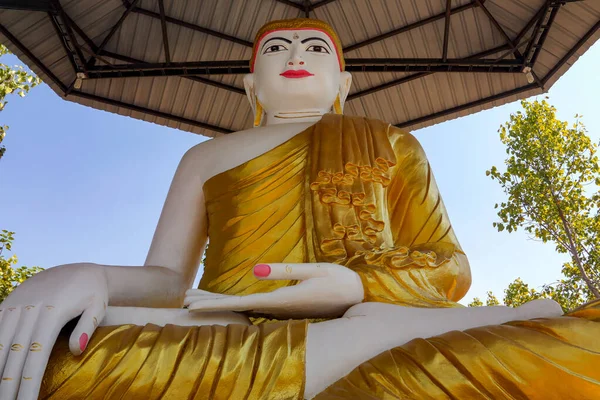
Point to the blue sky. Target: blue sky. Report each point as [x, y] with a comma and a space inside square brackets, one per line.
[79, 184]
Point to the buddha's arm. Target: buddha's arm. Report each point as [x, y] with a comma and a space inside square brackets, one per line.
[174, 255]
[427, 266]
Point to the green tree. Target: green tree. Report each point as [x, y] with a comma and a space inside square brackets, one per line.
[490, 301]
[551, 179]
[13, 80]
[476, 302]
[519, 293]
[10, 276]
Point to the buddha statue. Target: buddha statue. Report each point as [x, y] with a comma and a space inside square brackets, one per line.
[333, 272]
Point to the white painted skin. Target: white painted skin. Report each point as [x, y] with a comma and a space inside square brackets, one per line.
[155, 292]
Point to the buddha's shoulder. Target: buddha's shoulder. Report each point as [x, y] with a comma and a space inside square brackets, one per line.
[228, 151]
[396, 135]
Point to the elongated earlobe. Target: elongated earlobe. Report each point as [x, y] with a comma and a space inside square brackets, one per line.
[340, 100]
[257, 109]
[337, 105]
[258, 112]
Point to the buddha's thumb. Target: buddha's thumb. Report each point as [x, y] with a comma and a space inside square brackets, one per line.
[87, 324]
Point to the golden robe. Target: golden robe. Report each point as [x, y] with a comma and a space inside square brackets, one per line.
[351, 191]
[359, 193]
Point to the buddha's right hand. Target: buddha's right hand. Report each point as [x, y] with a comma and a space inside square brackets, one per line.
[325, 290]
[33, 315]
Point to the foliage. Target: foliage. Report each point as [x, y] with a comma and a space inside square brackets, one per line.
[13, 80]
[476, 302]
[490, 301]
[10, 276]
[551, 179]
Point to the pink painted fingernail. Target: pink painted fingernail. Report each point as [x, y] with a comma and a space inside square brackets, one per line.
[83, 341]
[262, 270]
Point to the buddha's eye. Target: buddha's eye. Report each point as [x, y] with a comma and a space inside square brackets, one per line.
[315, 48]
[276, 48]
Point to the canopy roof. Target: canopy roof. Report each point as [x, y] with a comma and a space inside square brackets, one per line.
[180, 63]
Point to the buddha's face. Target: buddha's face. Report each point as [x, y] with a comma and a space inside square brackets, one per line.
[297, 70]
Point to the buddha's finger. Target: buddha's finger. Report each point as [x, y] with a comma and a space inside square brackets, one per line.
[199, 292]
[280, 271]
[191, 298]
[42, 341]
[19, 349]
[85, 328]
[8, 327]
[229, 303]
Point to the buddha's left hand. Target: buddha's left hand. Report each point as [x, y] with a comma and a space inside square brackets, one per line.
[325, 290]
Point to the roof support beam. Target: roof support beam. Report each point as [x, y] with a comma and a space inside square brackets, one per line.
[482, 54]
[320, 4]
[113, 30]
[63, 42]
[409, 78]
[536, 31]
[446, 30]
[494, 22]
[291, 4]
[189, 25]
[28, 5]
[23, 49]
[544, 35]
[408, 27]
[352, 65]
[100, 99]
[72, 45]
[94, 50]
[163, 24]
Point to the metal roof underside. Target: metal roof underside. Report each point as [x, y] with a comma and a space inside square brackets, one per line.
[180, 63]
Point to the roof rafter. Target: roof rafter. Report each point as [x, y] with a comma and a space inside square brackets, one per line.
[189, 25]
[352, 65]
[409, 27]
[409, 78]
[500, 29]
[163, 25]
[446, 30]
[63, 29]
[64, 89]
[485, 53]
[28, 5]
[291, 4]
[475, 63]
[112, 31]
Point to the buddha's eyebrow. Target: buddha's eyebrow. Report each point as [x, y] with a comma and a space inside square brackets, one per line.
[276, 38]
[315, 38]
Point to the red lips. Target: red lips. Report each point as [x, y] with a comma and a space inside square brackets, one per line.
[296, 73]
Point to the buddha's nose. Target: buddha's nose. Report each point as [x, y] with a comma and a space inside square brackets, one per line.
[295, 61]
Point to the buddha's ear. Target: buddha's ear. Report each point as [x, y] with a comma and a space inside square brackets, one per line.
[257, 111]
[345, 83]
[249, 87]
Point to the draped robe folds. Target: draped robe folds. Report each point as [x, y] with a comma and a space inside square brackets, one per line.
[359, 193]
